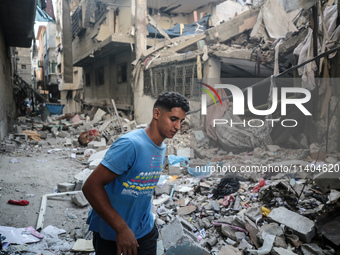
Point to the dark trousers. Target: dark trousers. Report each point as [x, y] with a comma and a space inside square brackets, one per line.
[147, 244]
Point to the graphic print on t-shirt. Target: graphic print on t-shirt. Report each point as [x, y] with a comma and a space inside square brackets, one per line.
[145, 182]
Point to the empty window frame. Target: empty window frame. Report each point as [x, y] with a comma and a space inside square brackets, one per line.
[87, 79]
[122, 73]
[100, 76]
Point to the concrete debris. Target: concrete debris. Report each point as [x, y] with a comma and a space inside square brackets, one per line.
[303, 227]
[216, 201]
[79, 199]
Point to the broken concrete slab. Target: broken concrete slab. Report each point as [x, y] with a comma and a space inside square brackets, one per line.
[98, 155]
[328, 180]
[97, 145]
[276, 230]
[229, 232]
[104, 125]
[281, 251]
[303, 227]
[165, 189]
[98, 116]
[66, 186]
[79, 199]
[186, 210]
[178, 240]
[186, 152]
[229, 250]
[233, 27]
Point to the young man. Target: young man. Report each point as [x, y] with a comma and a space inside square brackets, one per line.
[121, 187]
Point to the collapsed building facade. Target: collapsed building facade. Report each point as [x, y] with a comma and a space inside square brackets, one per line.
[177, 47]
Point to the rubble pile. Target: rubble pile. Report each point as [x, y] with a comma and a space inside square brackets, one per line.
[271, 200]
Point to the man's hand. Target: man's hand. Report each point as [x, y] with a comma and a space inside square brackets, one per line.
[126, 242]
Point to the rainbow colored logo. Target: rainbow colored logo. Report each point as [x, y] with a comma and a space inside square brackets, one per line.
[209, 93]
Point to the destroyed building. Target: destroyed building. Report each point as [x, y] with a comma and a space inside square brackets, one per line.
[265, 188]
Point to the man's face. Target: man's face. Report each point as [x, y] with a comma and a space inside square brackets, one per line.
[169, 122]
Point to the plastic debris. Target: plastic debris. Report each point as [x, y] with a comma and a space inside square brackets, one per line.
[18, 202]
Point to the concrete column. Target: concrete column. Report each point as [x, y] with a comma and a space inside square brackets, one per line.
[142, 104]
[212, 71]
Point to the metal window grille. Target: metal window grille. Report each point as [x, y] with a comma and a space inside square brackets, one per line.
[179, 77]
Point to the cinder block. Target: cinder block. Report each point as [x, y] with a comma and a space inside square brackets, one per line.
[176, 240]
[79, 199]
[65, 186]
[303, 227]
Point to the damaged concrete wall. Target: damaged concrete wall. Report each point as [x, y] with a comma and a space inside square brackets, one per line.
[123, 16]
[166, 22]
[71, 99]
[114, 83]
[24, 64]
[7, 105]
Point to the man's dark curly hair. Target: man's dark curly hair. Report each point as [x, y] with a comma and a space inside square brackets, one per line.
[169, 100]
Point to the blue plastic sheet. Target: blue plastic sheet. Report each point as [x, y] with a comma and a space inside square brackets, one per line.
[55, 109]
[175, 31]
[178, 159]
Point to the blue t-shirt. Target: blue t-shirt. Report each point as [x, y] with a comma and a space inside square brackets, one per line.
[138, 161]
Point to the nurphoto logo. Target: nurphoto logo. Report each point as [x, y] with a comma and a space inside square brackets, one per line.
[239, 104]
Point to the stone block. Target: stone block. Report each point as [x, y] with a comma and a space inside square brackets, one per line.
[165, 189]
[65, 186]
[229, 232]
[177, 240]
[303, 227]
[79, 199]
[328, 180]
[186, 152]
[10, 147]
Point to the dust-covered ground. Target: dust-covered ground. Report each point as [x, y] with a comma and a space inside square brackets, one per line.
[30, 172]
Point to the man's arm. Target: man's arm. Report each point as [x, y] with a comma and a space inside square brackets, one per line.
[95, 193]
